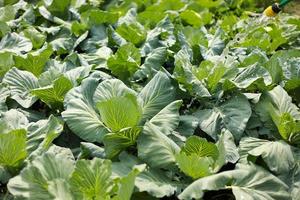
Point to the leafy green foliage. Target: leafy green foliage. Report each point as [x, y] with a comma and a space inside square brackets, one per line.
[148, 99]
[125, 62]
[9, 158]
[54, 95]
[240, 180]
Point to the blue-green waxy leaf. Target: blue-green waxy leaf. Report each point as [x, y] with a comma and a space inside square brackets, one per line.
[12, 120]
[255, 76]
[277, 111]
[284, 65]
[271, 152]
[80, 113]
[148, 99]
[214, 45]
[152, 64]
[167, 119]
[281, 102]
[232, 114]
[12, 42]
[45, 176]
[228, 152]
[155, 148]
[251, 182]
[4, 94]
[161, 36]
[153, 181]
[41, 134]
[21, 83]
[90, 150]
[247, 181]
[158, 93]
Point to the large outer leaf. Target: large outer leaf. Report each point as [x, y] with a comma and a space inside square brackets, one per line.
[43, 178]
[91, 179]
[41, 135]
[80, 114]
[153, 181]
[111, 88]
[187, 125]
[156, 148]
[11, 120]
[168, 118]
[295, 190]
[84, 121]
[154, 39]
[233, 115]
[254, 74]
[4, 91]
[280, 65]
[15, 43]
[247, 182]
[20, 84]
[158, 93]
[280, 100]
[271, 152]
[152, 64]
[228, 152]
[214, 45]
[126, 184]
[90, 150]
[278, 113]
